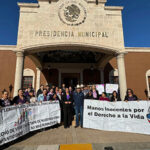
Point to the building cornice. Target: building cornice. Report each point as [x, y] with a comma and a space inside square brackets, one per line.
[99, 1]
[8, 48]
[113, 8]
[29, 5]
[137, 49]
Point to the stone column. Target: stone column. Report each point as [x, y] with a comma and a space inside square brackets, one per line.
[102, 75]
[122, 75]
[81, 77]
[38, 78]
[59, 78]
[19, 72]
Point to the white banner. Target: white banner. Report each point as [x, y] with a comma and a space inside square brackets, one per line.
[16, 121]
[111, 87]
[117, 116]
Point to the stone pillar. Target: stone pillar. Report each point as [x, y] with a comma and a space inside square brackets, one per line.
[81, 77]
[19, 72]
[122, 75]
[38, 78]
[102, 75]
[59, 78]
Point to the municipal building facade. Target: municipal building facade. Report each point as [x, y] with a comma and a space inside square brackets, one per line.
[71, 42]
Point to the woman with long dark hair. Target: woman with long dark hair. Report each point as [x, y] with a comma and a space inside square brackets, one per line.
[130, 96]
[115, 97]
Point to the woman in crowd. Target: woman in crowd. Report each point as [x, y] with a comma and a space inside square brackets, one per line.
[56, 90]
[20, 99]
[89, 95]
[67, 101]
[115, 97]
[95, 93]
[5, 101]
[51, 94]
[103, 97]
[31, 97]
[43, 96]
[26, 93]
[70, 90]
[54, 97]
[47, 88]
[130, 96]
[40, 91]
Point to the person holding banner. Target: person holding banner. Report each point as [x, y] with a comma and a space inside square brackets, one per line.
[67, 107]
[5, 101]
[130, 96]
[78, 97]
[115, 97]
[20, 99]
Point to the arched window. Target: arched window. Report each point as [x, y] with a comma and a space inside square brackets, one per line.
[148, 82]
[113, 76]
[28, 78]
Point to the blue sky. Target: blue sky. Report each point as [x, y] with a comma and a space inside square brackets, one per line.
[136, 21]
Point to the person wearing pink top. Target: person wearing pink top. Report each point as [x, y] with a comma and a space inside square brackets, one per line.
[103, 97]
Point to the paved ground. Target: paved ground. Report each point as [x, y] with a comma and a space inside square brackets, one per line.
[57, 136]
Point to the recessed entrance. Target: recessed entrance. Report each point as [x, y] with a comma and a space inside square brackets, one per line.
[70, 79]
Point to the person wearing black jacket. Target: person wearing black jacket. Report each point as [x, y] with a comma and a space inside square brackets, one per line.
[115, 97]
[89, 95]
[67, 108]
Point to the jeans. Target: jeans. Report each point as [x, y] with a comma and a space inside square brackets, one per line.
[79, 109]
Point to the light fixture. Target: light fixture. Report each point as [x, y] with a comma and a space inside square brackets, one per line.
[92, 67]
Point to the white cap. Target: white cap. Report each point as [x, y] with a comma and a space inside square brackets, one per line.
[78, 86]
[82, 85]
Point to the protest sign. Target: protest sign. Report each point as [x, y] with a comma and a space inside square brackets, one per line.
[100, 88]
[117, 116]
[111, 87]
[16, 121]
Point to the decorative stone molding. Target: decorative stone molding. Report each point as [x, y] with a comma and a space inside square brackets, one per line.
[19, 54]
[8, 48]
[99, 1]
[113, 8]
[29, 5]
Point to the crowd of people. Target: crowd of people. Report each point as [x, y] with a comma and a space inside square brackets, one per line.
[71, 99]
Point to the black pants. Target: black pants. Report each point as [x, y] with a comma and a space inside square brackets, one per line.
[67, 115]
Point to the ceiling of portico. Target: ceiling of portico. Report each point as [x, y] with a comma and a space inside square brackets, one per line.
[66, 56]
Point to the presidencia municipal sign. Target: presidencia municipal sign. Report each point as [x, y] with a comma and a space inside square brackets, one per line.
[70, 21]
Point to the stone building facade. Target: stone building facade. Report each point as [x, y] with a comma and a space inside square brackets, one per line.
[72, 41]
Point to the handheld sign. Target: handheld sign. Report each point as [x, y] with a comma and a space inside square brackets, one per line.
[111, 87]
[100, 88]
